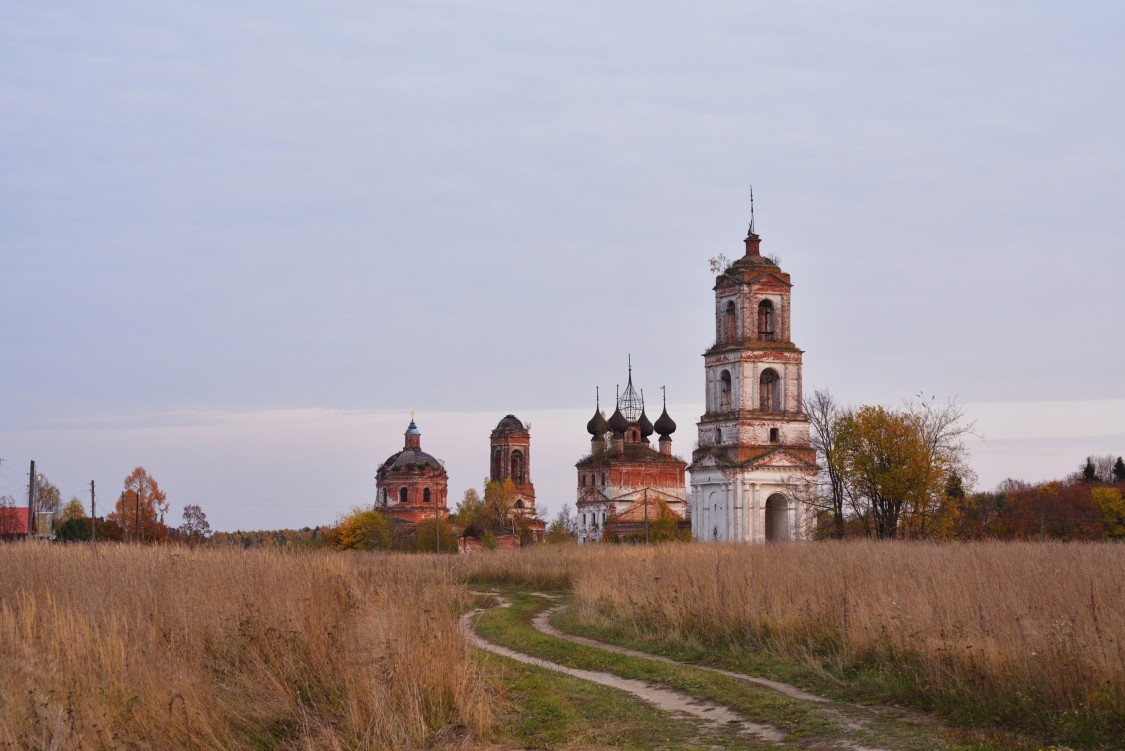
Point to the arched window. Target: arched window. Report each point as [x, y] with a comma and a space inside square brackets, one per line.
[497, 454]
[403, 495]
[769, 388]
[517, 466]
[718, 435]
[520, 503]
[765, 321]
[384, 496]
[426, 495]
[730, 325]
[582, 479]
[724, 391]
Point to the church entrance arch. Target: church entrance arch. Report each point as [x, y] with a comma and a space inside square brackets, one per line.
[777, 518]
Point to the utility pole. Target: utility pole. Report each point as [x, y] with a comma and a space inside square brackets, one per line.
[138, 534]
[93, 515]
[31, 501]
[646, 517]
[124, 521]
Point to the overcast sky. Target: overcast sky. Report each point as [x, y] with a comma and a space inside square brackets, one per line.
[239, 242]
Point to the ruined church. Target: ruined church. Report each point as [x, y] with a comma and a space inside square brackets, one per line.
[753, 466]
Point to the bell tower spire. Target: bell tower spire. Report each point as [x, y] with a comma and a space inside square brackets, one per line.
[753, 241]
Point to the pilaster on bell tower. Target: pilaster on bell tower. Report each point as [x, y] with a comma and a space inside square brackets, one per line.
[754, 425]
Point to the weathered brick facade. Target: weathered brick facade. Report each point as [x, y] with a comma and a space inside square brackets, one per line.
[754, 465]
[411, 485]
[510, 459]
[623, 475]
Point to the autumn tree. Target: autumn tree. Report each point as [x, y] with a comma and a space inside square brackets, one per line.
[885, 466]
[1112, 509]
[47, 497]
[426, 542]
[564, 528]
[362, 529]
[469, 512]
[73, 509]
[666, 526]
[195, 528]
[499, 500]
[141, 508]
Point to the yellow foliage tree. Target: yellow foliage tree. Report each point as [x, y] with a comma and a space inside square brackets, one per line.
[1112, 507]
[363, 529]
[73, 510]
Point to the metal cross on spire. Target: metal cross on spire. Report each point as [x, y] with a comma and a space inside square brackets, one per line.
[751, 232]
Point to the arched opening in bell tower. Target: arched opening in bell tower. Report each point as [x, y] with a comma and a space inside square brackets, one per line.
[769, 391]
[724, 391]
[403, 495]
[765, 321]
[730, 326]
[777, 518]
[517, 466]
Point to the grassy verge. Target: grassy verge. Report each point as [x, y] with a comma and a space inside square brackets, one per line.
[864, 686]
[806, 722]
[1026, 637]
[543, 709]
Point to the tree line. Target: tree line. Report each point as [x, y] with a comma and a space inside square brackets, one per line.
[139, 514]
[903, 473]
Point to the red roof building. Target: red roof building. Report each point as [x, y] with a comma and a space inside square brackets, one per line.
[13, 522]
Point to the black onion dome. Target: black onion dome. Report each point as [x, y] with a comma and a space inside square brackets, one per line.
[412, 457]
[510, 422]
[665, 425]
[597, 425]
[644, 424]
[618, 422]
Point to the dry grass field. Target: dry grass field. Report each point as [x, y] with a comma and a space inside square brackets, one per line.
[1030, 635]
[173, 648]
[125, 647]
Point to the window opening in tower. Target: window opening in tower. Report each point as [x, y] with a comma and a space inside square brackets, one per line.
[765, 321]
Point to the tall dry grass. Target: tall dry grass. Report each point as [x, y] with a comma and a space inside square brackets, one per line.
[1025, 633]
[172, 648]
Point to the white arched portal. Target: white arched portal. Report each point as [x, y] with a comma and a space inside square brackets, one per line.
[777, 518]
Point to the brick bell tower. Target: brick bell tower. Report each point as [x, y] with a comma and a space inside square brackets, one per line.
[511, 460]
[754, 465]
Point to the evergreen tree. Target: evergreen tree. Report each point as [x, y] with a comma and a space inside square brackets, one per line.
[1119, 470]
[1089, 474]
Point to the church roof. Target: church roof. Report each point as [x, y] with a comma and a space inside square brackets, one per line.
[618, 421]
[633, 453]
[597, 425]
[408, 458]
[510, 422]
[644, 424]
[665, 425]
